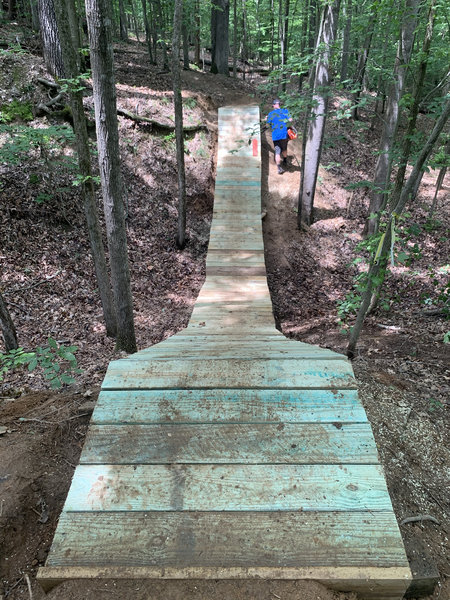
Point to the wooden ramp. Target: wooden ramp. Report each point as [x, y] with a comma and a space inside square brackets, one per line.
[229, 451]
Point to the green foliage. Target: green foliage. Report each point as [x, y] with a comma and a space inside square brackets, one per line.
[447, 337]
[22, 141]
[81, 179]
[16, 111]
[76, 84]
[57, 362]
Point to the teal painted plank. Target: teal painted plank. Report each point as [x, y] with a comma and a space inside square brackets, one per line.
[228, 406]
[284, 443]
[232, 183]
[231, 373]
[315, 488]
[244, 539]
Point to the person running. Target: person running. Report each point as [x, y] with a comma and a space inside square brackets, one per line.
[278, 119]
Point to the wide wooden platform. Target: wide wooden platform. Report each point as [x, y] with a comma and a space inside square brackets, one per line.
[229, 451]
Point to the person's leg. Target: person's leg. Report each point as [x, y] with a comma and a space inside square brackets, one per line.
[277, 148]
[284, 151]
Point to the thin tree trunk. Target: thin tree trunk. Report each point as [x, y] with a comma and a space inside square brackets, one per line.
[34, 15]
[184, 30]
[50, 38]
[66, 18]
[378, 268]
[123, 22]
[7, 325]
[235, 50]
[384, 162]
[135, 23]
[148, 37]
[316, 124]
[346, 40]
[197, 33]
[414, 111]
[439, 182]
[102, 63]
[362, 63]
[244, 38]
[161, 33]
[178, 104]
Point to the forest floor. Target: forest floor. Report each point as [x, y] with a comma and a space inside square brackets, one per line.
[402, 364]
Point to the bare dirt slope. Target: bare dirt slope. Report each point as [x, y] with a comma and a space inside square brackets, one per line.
[47, 278]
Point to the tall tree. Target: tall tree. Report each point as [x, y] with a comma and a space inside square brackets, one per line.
[346, 40]
[384, 163]
[67, 25]
[220, 11]
[148, 36]
[123, 21]
[363, 56]
[102, 62]
[317, 117]
[7, 326]
[178, 104]
[50, 38]
[379, 263]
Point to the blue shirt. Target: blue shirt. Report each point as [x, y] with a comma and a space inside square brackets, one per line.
[278, 119]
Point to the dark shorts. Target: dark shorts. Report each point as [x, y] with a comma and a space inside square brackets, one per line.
[280, 145]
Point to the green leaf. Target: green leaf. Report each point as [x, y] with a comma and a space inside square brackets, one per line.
[52, 343]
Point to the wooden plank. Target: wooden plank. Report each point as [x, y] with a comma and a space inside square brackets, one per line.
[285, 443]
[248, 349]
[230, 242]
[228, 406]
[239, 271]
[230, 288]
[245, 540]
[230, 373]
[318, 488]
[372, 583]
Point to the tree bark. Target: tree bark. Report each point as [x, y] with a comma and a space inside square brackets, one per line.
[123, 22]
[439, 182]
[178, 104]
[362, 63]
[346, 40]
[34, 15]
[317, 117]
[50, 38]
[185, 34]
[384, 162]
[408, 191]
[7, 325]
[135, 23]
[197, 33]
[148, 37]
[102, 63]
[220, 10]
[66, 18]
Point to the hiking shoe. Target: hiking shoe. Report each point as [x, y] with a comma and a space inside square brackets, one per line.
[280, 171]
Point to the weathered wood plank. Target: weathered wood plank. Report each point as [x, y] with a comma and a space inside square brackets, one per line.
[288, 443]
[228, 406]
[230, 373]
[372, 583]
[248, 349]
[244, 539]
[316, 488]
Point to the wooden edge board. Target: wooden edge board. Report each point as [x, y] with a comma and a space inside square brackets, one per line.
[383, 583]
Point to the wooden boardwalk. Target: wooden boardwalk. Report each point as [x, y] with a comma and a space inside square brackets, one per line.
[229, 451]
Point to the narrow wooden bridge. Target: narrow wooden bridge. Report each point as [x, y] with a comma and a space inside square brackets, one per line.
[229, 451]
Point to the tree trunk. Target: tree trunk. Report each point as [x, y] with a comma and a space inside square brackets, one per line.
[377, 268]
[159, 22]
[346, 40]
[440, 181]
[197, 33]
[235, 50]
[102, 63]
[220, 10]
[317, 117]
[244, 38]
[148, 37]
[384, 162]
[185, 33]
[362, 63]
[123, 22]
[178, 104]
[50, 38]
[414, 111]
[7, 325]
[135, 23]
[34, 15]
[66, 18]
